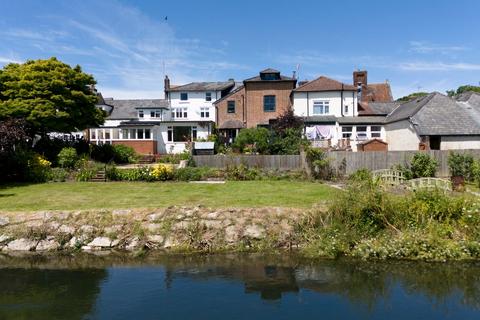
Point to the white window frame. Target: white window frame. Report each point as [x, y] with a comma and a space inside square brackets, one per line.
[363, 134]
[376, 133]
[204, 112]
[347, 134]
[141, 114]
[324, 106]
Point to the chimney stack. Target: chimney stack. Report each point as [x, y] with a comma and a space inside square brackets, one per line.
[166, 86]
[360, 78]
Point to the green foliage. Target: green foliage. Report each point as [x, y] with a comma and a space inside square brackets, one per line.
[174, 158]
[87, 170]
[290, 142]
[124, 154]
[254, 140]
[319, 163]
[49, 95]
[241, 173]
[423, 165]
[461, 165]
[67, 157]
[412, 96]
[195, 173]
[51, 147]
[103, 153]
[476, 172]
[361, 175]
[58, 175]
[463, 89]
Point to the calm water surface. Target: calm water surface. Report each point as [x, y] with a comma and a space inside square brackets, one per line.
[234, 287]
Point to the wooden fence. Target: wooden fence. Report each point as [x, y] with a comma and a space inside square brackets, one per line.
[345, 162]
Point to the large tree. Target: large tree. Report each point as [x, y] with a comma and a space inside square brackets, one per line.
[463, 89]
[50, 95]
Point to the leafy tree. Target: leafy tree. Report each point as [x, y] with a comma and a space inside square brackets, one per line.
[12, 132]
[287, 120]
[412, 96]
[463, 89]
[50, 95]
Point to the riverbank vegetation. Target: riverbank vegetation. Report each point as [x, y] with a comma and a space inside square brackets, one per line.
[368, 222]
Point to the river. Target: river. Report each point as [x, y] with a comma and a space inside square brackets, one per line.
[233, 286]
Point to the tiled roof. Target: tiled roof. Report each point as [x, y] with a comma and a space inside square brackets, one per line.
[127, 109]
[377, 108]
[437, 114]
[203, 86]
[319, 119]
[361, 120]
[232, 124]
[229, 94]
[377, 92]
[324, 84]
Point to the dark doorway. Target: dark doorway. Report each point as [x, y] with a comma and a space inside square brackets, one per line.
[435, 142]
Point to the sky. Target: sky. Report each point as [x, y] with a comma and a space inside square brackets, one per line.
[128, 46]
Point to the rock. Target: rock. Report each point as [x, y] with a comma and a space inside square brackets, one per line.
[170, 243]
[66, 229]
[54, 225]
[87, 248]
[155, 216]
[47, 245]
[155, 238]
[121, 212]
[113, 229]
[213, 224]
[152, 227]
[76, 242]
[87, 228]
[34, 224]
[21, 245]
[181, 225]
[212, 215]
[4, 238]
[114, 243]
[231, 234]
[4, 221]
[102, 242]
[254, 232]
[133, 244]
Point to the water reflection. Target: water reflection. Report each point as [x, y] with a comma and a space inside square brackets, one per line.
[82, 286]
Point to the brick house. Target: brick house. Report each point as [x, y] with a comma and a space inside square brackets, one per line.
[258, 101]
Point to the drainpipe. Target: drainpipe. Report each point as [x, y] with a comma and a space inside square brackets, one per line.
[341, 103]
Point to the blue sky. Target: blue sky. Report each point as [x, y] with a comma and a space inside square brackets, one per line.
[127, 45]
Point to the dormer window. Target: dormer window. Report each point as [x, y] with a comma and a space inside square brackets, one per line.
[270, 76]
[140, 113]
[155, 114]
[184, 96]
[208, 96]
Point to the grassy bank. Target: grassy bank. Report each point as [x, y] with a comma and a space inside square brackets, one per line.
[109, 195]
[369, 223]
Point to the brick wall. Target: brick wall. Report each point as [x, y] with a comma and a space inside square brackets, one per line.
[140, 146]
[223, 115]
[254, 93]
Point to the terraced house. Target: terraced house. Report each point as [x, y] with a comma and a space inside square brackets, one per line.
[161, 126]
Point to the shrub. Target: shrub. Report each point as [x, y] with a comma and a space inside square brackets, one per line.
[103, 153]
[67, 157]
[423, 165]
[319, 163]
[461, 165]
[174, 158]
[361, 175]
[87, 170]
[252, 140]
[241, 173]
[194, 173]
[162, 172]
[124, 154]
[58, 175]
[476, 172]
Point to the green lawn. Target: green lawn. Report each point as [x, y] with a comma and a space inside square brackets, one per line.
[90, 195]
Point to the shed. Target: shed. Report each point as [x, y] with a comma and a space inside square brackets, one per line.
[373, 145]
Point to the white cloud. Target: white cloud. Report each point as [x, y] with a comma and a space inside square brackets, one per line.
[6, 60]
[426, 47]
[436, 66]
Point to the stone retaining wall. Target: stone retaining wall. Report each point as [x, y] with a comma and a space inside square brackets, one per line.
[174, 228]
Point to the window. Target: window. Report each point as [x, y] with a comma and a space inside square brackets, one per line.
[376, 131]
[125, 134]
[180, 113]
[169, 134]
[184, 96]
[346, 132]
[194, 133]
[116, 134]
[147, 133]
[269, 103]
[155, 114]
[93, 134]
[182, 134]
[140, 113]
[204, 112]
[208, 96]
[107, 134]
[346, 109]
[231, 106]
[133, 134]
[269, 76]
[139, 133]
[361, 133]
[100, 134]
[321, 107]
